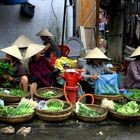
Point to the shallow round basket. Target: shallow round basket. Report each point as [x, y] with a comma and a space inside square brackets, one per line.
[53, 118]
[122, 117]
[109, 97]
[16, 119]
[66, 109]
[99, 109]
[11, 99]
[131, 99]
[117, 67]
[45, 89]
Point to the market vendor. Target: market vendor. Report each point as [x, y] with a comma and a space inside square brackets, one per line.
[19, 76]
[93, 68]
[40, 68]
[132, 80]
[49, 42]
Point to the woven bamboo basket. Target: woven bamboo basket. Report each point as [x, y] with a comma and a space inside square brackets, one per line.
[117, 67]
[66, 109]
[109, 97]
[10, 99]
[99, 109]
[122, 117]
[16, 119]
[131, 99]
[45, 89]
[54, 118]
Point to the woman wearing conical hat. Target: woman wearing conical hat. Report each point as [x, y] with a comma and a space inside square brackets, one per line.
[19, 76]
[132, 79]
[93, 68]
[40, 68]
[49, 42]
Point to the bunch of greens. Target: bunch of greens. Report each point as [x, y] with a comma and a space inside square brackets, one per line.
[135, 93]
[83, 110]
[5, 68]
[49, 94]
[129, 108]
[13, 92]
[17, 92]
[54, 106]
[6, 110]
[26, 106]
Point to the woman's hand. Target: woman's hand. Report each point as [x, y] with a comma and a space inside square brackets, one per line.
[94, 77]
[7, 77]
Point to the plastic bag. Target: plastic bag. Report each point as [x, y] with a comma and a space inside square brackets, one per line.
[107, 84]
[27, 10]
[60, 62]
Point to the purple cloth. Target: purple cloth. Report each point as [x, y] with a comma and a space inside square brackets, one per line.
[41, 69]
[133, 75]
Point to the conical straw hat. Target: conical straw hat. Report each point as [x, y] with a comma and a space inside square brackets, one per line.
[44, 32]
[13, 51]
[22, 41]
[136, 52]
[96, 54]
[33, 49]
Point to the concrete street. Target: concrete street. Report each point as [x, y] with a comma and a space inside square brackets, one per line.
[76, 130]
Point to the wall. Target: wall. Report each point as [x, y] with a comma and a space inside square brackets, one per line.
[115, 40]
[13, 25]
[86, 12]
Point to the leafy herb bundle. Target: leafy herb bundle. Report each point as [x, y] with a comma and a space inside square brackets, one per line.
[49, 94]
[83, 110]
[135, 93]
[5, 68]
[13, 92]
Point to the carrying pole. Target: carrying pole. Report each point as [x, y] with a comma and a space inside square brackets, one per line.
[63, 28]
[97, 23]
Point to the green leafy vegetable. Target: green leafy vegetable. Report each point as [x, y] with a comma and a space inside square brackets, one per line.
[49, 94]
[83, 110]
[17, 92]
[13, 92]
[54, 106]
[129, 108]
[26, 106]
[135, 93]
[5, 68]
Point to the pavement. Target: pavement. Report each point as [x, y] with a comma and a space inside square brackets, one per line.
[73, 129]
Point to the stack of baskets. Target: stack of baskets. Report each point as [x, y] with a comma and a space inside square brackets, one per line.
[55, 116]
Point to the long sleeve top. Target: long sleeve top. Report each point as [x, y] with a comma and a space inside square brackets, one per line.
[91, 69]
[18, 71]
[41, 69]
[133, 74]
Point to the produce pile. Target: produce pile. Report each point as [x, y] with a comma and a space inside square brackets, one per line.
[133, 93]
[13, 92]
[5, 68]
[49, 94]
[26, 106]
[129, 108]
[50, 105]
[83, 110]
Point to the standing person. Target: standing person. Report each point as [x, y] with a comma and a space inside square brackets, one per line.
[49, 42]
[40, 68]
[132, 79]
[19, 76]
[93, 68]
